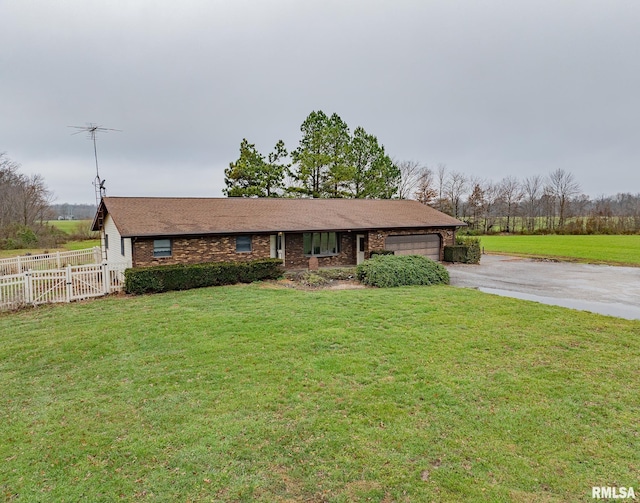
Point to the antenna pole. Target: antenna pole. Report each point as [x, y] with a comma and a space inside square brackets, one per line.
[92, 130]
[95, 152]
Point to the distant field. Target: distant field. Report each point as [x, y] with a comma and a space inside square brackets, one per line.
[615, 249]
[71, 245]
[68, 226]
[268, 394]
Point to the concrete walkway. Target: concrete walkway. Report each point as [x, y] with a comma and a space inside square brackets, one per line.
[609, 290]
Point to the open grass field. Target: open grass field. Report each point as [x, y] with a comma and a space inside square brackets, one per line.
[261, 393]
[609, 249]
[68, 226]
[68, 246]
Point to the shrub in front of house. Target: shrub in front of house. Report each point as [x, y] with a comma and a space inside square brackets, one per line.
[399, 270]
[186, 276]
[381, 252]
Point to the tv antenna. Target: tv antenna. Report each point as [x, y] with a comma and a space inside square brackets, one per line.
[92, 131]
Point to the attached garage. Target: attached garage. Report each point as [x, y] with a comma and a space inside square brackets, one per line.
[415, 244]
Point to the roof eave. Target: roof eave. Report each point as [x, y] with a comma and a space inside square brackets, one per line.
[95, 226]
[291, 230]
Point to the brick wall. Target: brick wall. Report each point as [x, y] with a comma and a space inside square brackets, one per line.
[194, 250]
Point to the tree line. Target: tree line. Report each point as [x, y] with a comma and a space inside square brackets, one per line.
[552, 203]
[24, 207]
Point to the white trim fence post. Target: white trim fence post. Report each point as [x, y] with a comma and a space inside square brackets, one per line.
[28, 287]
[106, 279]
[69, 283]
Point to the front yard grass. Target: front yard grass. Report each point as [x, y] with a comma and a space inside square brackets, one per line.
[604, 249]
[258, 393]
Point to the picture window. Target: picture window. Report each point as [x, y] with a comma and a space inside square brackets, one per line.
[321, 244]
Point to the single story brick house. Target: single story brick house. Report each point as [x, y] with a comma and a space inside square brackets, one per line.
[147, 231]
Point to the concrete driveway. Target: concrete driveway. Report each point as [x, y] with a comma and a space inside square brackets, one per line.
[600, 289]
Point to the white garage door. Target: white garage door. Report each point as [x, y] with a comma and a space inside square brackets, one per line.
[415, 244]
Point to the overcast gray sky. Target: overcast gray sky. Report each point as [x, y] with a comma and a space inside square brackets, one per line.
[490, 88]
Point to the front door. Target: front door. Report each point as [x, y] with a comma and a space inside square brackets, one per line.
[277, 246]
[280, 246]
[360, 248]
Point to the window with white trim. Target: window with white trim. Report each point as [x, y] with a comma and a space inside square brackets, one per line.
[322, 244]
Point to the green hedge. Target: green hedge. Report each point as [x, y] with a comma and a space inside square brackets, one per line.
[381, 252]
[466, 251]
[398, 270]
[186, 276]
[456, 253]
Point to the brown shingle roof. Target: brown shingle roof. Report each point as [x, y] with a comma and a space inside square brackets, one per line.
[168, 216]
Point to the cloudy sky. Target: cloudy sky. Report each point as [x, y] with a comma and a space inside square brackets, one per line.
[490, 88]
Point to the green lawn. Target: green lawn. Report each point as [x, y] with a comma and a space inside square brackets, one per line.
[615, 249]
[261, 393]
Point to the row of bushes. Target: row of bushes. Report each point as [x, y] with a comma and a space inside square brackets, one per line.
[186, 276]
[17, 236]
[399, 270]
[381, 270]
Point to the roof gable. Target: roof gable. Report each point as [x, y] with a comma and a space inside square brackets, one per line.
[159, 216]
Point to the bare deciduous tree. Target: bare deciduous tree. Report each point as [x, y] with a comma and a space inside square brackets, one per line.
[24, 200]
[410, 174]
[454, 190]
[532, 189]
[511, 195]
[34, 198]
[426, 192]
[563, 186]
[491, 193]
[441, 177]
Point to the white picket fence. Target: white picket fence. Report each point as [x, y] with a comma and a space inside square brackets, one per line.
[54, 260]
[60, 285]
